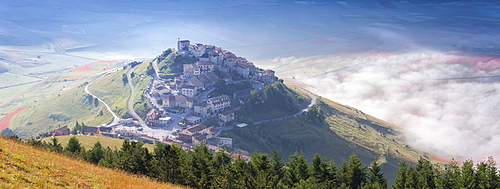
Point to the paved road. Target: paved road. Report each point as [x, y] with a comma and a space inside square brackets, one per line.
[156, 76]
[131, 100]
[116, 119]
[313, 101]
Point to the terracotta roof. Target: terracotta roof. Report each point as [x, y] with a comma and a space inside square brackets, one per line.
[196, 82]
[187, 86]
[212, 76]
[91, 129]
[196, 128]
[105, 129]
[63, 129]
[204, 63]
[218, 98]
[202, 104]
[168, 97]
[205, 79]
[227, 112]
[199, 137]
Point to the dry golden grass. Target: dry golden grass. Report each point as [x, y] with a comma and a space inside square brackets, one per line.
[23, 166]
[381, 137]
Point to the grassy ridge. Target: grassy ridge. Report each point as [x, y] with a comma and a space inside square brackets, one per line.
[344, 131]
[24, 166]
[113, 91]
[65, 103]
[140, 105]
[65, 108]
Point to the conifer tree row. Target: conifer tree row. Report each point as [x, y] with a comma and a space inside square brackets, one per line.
[202, 168]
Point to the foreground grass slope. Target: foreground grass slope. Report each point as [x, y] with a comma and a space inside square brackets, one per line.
[23, 166]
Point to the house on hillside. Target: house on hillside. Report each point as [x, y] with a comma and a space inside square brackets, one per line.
[188, 90]
[199, 139]
[198, 85]
[183, 45]
[97, 130]
[226, 116]
[240, 156]
[64, 130]
[257, 85]
[205, 66]
[220, 141]
[184, 102]
[188, 133]
[188, 70]
[193, 119]
[201, 109]
[219, 103]
[168, 101]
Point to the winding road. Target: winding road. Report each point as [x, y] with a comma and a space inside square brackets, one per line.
[116, 119]
[313, 101]
[131, 110]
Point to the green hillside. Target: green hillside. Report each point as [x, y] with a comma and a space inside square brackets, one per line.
[65, 108]
[71, 103]
[342, 131]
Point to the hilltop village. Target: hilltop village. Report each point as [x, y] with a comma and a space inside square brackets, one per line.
[183, 111]
[189, 93]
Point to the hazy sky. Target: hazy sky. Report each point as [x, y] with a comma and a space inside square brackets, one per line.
[402, 61]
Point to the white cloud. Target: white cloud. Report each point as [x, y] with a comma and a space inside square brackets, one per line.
[450, 117]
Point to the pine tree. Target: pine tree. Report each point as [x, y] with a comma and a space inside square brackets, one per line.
[426, 175]
[109, 159]
[198, 167]
[450, 175]
[468, 176]
[356, 173]
[167, 163]
[96, 153]
[73, 147]
[55, 146]
[297, 169]
[77, 129]
[277, 165]
[376, 176]
[134, 158]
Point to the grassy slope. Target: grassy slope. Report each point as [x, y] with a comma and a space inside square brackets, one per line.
[24, 166]
[89, 141]
[113, 91]
[68, 99]
[69, 103]
[141, 84]
[345, 131]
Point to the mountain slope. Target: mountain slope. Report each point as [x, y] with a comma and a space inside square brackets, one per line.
[24, 166]
[343, 131]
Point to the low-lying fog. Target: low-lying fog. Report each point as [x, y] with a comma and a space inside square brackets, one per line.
[430, 68]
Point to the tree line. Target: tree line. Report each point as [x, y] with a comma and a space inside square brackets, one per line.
[202, 168]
